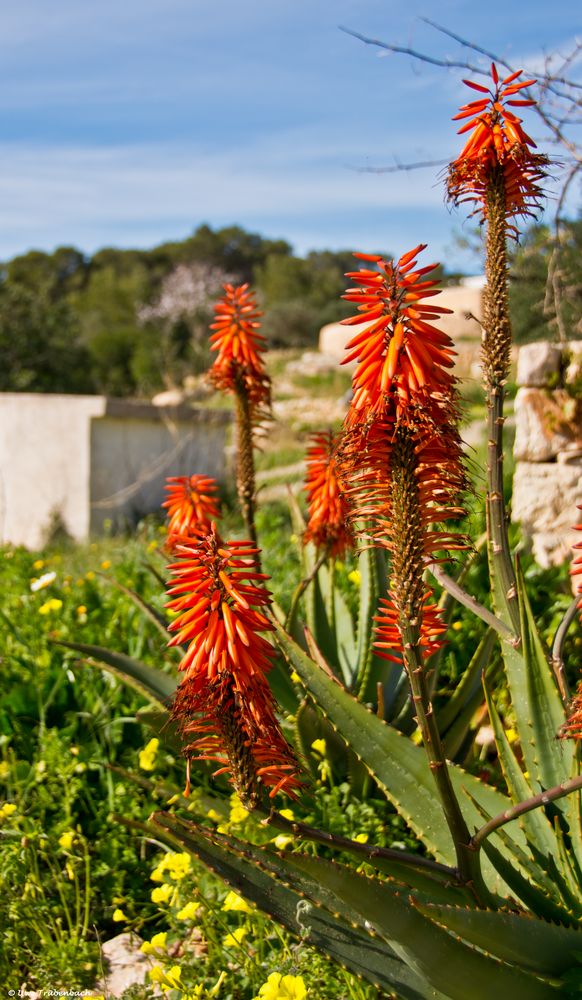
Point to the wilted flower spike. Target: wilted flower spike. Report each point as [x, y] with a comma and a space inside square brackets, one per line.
[400, 352]
[328, 526]
[224, 704]
[497, 143]
[192, 505]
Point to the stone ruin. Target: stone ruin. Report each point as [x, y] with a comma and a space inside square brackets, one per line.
[547, 485]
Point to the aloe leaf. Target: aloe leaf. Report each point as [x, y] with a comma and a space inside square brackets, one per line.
[372, 569]
[161, 725]
[529, 942]
[539, 709]
[469, 683]
[261, 877]
[155, 685]
[155, 616]
[452, 967]
[535, 898]
[538, 829]
[399, 767]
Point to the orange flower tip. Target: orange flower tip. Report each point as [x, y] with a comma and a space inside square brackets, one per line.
[373, 257]
[477, 86]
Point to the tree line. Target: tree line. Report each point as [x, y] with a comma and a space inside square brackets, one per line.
[131, 322]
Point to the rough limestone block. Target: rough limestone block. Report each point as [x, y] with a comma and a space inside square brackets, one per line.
[545, 497]
[573, 358]
[546, 423]
[538, 364]
[126, 965]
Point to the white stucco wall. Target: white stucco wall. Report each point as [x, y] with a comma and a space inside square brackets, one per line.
[87, 459]
[44, 464]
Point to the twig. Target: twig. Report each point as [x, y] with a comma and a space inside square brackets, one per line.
[453, 588]
[541, 799]
[557, 648]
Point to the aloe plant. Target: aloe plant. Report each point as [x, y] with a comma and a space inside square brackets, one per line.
[495, 902]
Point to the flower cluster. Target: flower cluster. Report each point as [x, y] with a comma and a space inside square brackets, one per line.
[224, 703]
[401, 458]
[239, 365]
[327, 526]
[191, 504]
[498, 149]
[401, 355]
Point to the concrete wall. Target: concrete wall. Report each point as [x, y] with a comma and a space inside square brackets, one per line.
[81, 460]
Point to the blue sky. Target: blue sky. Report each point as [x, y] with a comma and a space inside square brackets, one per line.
[127, 123]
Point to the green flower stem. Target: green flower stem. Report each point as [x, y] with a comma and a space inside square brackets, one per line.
[302, 587]
[245, 471]
[496, 356]
[468, 865]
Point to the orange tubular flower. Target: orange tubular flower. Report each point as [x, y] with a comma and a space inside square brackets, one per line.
[577, 564]
[400, 351]
[328, 526]
[192, 505]
[239, 346]
[497, 142]
[388, 642]
[224, 701]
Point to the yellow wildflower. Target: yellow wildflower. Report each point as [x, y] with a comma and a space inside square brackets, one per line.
[282, 841]
[119, 916]
[162, 893]
[512, 735]
[8, 809]
[295, 677]
[319, 746]
[235, 902]
[178, 865]
[158, 874]
[51, 605]
[81, 610]
[4, 770]
[234, 940]
[361, 838]
[214, 816]
[66, 840]
[147, 756]
[457, 626]
[188, 912]
[167, 980]
[287, 814]
[280, 987]
[106, 564]
[355, 577]
[90, 575]
[38, 564]
[238, 813]
[157, 943]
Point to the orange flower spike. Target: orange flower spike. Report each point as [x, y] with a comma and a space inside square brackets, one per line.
[497, 141]
[399, 351]
[191, 504]
[224, 704]
[327, 526]
[239, 346]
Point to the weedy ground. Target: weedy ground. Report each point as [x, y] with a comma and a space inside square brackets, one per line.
[72, 875]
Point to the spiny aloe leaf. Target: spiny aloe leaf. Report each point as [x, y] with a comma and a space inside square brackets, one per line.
[155, 616]
[450, 966]
[369, 668]
[260, 877]
[539, 709]
[469, 683]
[538, 829]
[160, 723]
[153, 684]
[399, 767]
[536, 899]
[529, 942]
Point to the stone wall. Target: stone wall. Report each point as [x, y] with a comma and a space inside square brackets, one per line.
[77, 462]
[547, 485]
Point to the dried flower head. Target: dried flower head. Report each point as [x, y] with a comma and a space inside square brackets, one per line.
[224, 704]
[400, 352]
[328, 526]
[192, 505]
[497, 148]
[239, 363]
